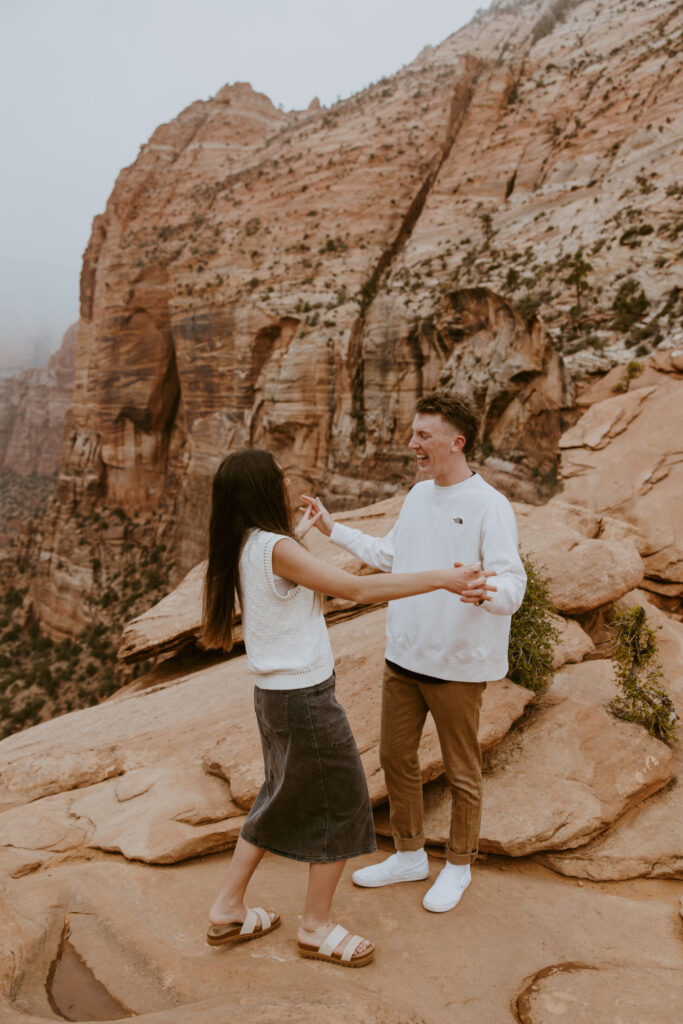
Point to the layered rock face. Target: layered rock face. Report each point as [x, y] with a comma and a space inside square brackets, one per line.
[33, 409]
[296, 279]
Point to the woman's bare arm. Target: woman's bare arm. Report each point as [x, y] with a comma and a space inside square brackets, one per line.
[293, 562]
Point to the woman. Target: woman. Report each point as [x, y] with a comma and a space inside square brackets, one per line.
[314, 804]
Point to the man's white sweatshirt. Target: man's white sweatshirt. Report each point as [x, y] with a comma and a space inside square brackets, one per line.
[437, 634]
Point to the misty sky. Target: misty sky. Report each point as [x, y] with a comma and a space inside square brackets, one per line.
[83, 83]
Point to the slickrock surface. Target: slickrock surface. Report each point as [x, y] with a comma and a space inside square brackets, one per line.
[296, 279]
[582, 995]
[141, 932]
[624, 458]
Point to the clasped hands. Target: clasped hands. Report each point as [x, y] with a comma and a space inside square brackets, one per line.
[476, 587]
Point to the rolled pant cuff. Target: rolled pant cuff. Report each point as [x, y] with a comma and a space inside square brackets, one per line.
[460, 858]
[407, 845]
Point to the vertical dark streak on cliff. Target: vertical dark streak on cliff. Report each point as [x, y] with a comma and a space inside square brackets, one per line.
[460, 104]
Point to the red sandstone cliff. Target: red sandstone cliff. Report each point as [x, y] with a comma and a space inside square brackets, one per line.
[295, 280]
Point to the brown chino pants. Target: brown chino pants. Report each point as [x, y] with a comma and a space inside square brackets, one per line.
[455, 708]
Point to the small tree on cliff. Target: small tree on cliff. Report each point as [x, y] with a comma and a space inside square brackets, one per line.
[639, 675]
[579, 268]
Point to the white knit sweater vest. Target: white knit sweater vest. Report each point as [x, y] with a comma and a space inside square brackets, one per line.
[285, 636]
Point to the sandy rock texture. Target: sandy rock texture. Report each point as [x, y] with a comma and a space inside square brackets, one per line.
[589, 560]
[582, 994]
[140, 931]
[296, 279]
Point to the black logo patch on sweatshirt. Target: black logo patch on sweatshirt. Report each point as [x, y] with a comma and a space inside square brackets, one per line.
[457, 520]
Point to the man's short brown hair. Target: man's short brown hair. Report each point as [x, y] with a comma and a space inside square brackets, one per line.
[455, 410]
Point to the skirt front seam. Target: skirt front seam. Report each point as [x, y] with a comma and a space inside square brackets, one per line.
[313, 805]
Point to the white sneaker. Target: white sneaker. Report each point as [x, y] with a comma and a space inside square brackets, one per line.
[447, 890]
[392, 870]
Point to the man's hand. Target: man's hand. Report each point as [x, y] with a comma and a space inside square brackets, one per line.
[320, 516]
[477, 590]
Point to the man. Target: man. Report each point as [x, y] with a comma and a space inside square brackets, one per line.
[440, 650]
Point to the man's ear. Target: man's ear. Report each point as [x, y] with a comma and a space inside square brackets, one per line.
[458, 443]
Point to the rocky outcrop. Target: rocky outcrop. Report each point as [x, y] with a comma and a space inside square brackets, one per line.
[590, 560]
[296, 279]
[623, 459]
[88, 796]
[647, 841]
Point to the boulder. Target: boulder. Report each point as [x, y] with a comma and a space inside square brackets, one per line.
[648, 840]
[590, 560]
[160, 815]
[574, 643]
[612, 465]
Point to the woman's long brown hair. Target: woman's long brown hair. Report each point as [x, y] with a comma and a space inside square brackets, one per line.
[248, 492]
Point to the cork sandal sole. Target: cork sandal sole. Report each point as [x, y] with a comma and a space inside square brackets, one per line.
[325, 949]
[221, 935]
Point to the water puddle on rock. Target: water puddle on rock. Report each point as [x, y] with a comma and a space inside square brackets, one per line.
[74, 992]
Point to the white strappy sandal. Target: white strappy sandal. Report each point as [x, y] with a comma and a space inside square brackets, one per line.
[218, 934]
[325, 949]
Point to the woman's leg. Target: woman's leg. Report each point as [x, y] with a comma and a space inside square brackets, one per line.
[322, 884]
[228, 907]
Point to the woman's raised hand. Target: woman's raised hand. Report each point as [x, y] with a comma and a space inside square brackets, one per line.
[321, 517]
[310, 518]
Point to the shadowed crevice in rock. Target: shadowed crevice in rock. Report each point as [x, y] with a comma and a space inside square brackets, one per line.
[460, 104]
[73, 991]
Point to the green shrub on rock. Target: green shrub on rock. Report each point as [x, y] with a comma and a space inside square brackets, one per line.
[533, 633]
[642, 697]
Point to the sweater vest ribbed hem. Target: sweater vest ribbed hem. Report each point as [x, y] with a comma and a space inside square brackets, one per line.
[294, 680]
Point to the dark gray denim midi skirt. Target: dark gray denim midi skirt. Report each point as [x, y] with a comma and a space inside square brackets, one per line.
[314, 804]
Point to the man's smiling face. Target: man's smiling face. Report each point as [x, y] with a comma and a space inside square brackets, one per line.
[437, 446]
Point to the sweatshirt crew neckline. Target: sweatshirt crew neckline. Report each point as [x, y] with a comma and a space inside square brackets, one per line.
[452, 488]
